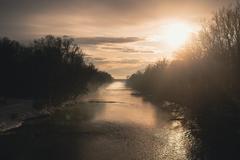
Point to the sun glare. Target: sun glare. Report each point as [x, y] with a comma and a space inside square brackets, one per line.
[177, 34]
[174, 34]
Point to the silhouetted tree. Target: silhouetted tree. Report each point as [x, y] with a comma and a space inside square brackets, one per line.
[207, 69]
[204, 78]
[50, 69]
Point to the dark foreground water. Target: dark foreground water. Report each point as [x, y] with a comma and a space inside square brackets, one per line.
[111, 124]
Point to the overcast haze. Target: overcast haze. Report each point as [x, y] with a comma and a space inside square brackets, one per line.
[119, 36]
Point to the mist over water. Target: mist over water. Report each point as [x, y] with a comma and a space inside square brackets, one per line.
[59, 100]
[121, 107]
[133, 128]
[111, 123]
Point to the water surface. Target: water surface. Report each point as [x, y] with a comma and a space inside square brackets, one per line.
[111, 123]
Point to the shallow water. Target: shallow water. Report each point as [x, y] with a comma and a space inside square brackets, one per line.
[111, 123]
[139, 130]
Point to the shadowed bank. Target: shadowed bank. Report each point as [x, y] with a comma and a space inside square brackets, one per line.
[55, 104]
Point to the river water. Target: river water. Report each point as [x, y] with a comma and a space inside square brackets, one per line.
[111, 124]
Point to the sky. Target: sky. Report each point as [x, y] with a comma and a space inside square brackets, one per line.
[118, 36]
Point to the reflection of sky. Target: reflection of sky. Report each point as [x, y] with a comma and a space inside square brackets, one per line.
[121, 107]
[139, 123]
[146, 20]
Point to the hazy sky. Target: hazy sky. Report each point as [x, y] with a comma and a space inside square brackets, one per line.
[119, 36]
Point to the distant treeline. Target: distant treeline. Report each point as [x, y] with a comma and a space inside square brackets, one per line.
[50, 69]
[203, 85]
[205, 74]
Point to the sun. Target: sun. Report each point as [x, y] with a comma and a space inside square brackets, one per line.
[177, 34]
[174, 34]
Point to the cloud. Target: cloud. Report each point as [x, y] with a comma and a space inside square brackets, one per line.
[130, 61]
[101, 60]
[127, 50]
[31, 17]
[106, 40]
[99, 6]
[108, 30]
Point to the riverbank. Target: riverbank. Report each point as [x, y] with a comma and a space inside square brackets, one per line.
[215, 126]
[14, 111]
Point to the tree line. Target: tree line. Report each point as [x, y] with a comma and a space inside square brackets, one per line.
[203, 83]
[205, 74]
[50, 69]
[206, 68]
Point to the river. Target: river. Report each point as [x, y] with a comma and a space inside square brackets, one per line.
[111, 123]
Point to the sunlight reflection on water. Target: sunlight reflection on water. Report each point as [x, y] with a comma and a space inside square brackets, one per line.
[151, 133]
[126, 109]
[123, 114]
[178, 142]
